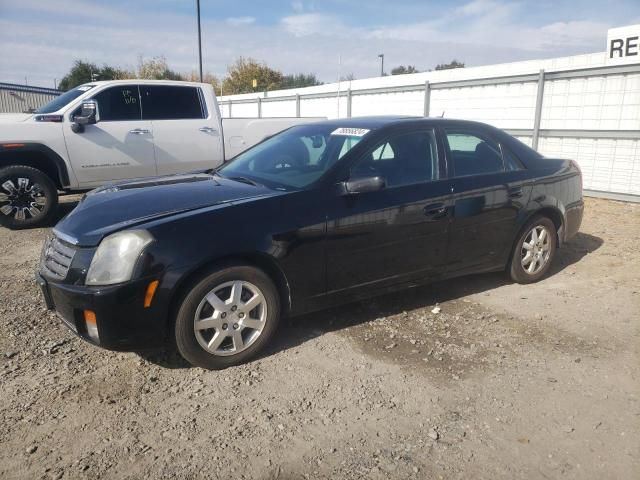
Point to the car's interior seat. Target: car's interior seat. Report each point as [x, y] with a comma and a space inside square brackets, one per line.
[487, 159]
[413, 161]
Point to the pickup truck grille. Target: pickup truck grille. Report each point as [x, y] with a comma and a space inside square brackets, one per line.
[56, 259]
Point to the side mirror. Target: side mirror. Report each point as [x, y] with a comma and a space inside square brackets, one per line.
[89, 115]
[363, 185]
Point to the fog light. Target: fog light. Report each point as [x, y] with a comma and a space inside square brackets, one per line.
[151, 291]
[92, 325]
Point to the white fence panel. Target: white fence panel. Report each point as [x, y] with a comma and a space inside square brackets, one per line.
[590, 114]
[246, 110]
[592, 103]
[511, 105]
[608, 165]
[396, 103]
[282, 108]
[324, 107]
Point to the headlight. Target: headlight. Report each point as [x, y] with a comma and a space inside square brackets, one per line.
[116, 257]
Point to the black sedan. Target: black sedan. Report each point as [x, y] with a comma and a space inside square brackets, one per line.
[317, 215]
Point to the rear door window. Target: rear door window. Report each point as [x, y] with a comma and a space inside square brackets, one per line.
[163, 102]
[473, 153]
[119, 103]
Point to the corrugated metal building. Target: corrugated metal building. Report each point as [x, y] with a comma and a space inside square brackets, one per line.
[22, 98]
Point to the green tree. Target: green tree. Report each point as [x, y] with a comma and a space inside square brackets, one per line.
[448, 66]
[299, 80]
[207, 77]
[401, 70]
[85, 72]
[244, 71]
[156, 68]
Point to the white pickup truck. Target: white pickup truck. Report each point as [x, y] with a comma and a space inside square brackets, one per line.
[108, 131]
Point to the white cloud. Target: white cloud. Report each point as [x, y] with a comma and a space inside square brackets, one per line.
[481, 7]
[237, 21]
[43, 47]
[312, 23]
[574, 33]
[79, 9]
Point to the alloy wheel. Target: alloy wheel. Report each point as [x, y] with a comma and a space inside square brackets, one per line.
[230, 318]
[536, 249]
[21, 199]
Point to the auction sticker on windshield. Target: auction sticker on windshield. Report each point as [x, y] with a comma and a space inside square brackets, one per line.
[350, 132]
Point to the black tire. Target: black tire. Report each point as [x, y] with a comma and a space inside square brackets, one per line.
[517, 270]
[189, 344]
[28, 197]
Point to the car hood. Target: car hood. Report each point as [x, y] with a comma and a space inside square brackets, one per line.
[128, 204]
[14, 117]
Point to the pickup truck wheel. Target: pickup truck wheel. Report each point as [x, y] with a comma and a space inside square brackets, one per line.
[534, 251]
[27, 197]
[227, 317]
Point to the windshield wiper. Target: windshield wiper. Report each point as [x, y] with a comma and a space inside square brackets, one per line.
[244, 180]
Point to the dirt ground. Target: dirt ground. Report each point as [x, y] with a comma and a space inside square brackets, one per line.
[506, 381]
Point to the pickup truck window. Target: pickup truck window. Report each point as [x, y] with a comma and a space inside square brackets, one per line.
[119, 103]
[161, 102]
[67, 97]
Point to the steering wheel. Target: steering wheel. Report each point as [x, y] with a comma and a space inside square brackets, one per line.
[281, 162]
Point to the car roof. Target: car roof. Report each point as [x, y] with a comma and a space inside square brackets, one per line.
[376, 122]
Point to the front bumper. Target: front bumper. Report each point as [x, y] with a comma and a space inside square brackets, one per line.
[123, 322]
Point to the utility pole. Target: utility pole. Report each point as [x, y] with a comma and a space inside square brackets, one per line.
[381, 57]
[199, 40]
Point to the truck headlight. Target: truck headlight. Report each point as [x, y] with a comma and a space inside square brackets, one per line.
[116, 257]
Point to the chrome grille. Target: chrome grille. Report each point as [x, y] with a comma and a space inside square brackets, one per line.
[56, 259]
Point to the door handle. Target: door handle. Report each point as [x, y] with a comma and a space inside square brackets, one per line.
[436, 210]
[208, 130]
[139, 131]
[515, 192]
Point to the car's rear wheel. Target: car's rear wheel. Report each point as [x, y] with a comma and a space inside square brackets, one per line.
[534, 251]
[227, 317]
[27, 197]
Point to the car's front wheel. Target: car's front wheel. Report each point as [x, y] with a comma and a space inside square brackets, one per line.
[534, 250]
[28, 197]
[227, 317]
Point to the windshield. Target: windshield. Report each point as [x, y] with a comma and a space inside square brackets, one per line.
[67, 97]
[296, 157]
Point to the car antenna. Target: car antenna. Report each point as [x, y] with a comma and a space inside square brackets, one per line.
[442, 116]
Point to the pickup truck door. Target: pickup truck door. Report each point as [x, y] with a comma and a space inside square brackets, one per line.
[119, 146]
[186, 134]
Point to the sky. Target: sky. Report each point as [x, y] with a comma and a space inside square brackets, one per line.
[40, 39]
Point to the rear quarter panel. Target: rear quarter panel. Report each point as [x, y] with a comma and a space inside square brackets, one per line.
[558, 186]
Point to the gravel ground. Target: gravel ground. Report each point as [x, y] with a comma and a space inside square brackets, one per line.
[472, 378]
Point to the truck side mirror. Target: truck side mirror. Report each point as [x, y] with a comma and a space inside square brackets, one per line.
[89, 115]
